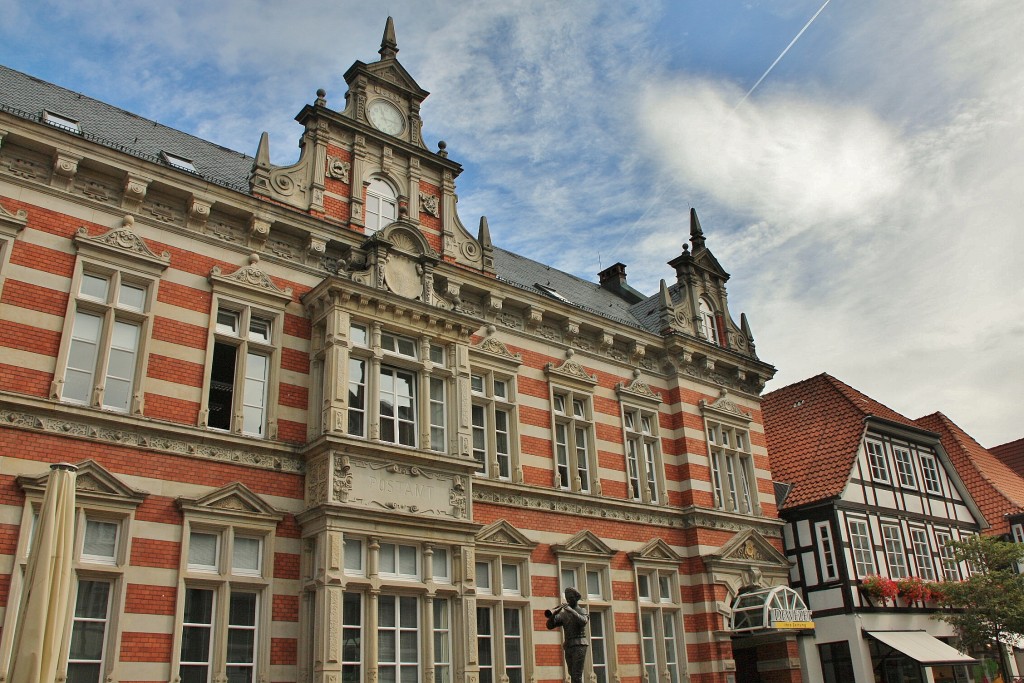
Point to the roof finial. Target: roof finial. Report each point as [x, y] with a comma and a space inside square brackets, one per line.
[388, 44]
[696, 234]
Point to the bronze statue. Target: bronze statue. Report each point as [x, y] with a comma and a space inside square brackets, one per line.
[573, 620]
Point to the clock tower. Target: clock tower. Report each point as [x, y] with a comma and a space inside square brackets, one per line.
[366, 169]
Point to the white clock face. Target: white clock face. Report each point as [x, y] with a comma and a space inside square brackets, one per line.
[385, 117]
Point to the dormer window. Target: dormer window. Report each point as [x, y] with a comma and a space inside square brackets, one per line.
[61, 121]
[381, 205]
[180, 163]
[708, 324]
[550, 291]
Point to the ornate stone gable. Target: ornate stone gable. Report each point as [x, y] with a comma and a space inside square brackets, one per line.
[252, 281]
[94, 483]
[11, 223]
[121, 245]
[750, 546]
[570, 371]
[584, 543]
[637, 390]
[655, 551]
[497, 349]
[504, 536]
[724, 406]
[232, 500]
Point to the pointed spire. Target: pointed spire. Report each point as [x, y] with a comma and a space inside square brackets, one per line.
[665, 299]
[388, 44]
[696, 234]
[484, 235]
[666, 313]
[263, 152]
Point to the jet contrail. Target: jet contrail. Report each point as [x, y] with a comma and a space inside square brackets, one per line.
[783, 54]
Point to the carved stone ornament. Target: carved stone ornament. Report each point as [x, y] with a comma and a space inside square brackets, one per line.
[397, 487]
[93, 484]
[638, 389]
[430, 204]
[137, 434]
[338, 169]
[496, 347]
[501, 533]
[403, 276]
[584, 543]
[724, 405]
[570, 369]
[11, 223]
[252, 278]
[236, 500]
[122, 241]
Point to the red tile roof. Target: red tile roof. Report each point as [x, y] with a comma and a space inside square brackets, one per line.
[1012, 454]
[996, 488]
[814, 429]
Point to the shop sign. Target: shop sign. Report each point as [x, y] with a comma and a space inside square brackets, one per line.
[783, 618]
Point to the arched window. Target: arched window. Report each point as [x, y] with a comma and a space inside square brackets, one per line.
[708, 325]
[381, 205]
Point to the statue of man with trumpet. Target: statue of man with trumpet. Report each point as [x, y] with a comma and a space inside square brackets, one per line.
[573, 620]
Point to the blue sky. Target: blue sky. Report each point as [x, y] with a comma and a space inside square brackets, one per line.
[866, 197]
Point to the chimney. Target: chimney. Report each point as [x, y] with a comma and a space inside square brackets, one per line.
[613, 279]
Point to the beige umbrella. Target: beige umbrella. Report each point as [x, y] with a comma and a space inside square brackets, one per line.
[39, 633]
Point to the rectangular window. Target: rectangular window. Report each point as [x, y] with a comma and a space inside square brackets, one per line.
[642, 448]
[100, 542]
[922, 554]
[876, 461]
[483, 577]
[930, 470]
[492, 423]
[860, 543]
[397, 406]
[573, 448]
[648, 640]
[485, 644]
[357, 397]
[247, 556]
[894, 553]
[105, 342]
[905, 467]
[354, 556]
[439, 566]
[671, 647]
[352, 637]
[950, 567]
[836, 662]
[510, 579]
[196, 636]
[203, 552]
[732, 473]
[399, 561]
[826, 551]
[398, 648]
[513, 632]
[438, 415]
[442, 642]
[598, 647]
[243, 353]
[89, 632]
[241, 642]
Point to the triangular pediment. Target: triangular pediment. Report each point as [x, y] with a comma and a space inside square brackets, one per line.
[724, 406]
[584, 543]
[705, 260]
[751, 547]
[495, 348]
[389, 71]
[656, 550]
[501, 533]
[235, 500]
[93, 483]
[638, 389]
[572, 371]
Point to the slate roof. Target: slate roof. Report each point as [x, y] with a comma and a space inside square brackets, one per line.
[813, 429]
[1012, 454]
[997, 490]
[26, 97]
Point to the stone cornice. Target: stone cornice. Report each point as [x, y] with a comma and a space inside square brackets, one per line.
[116, 429]
[544, 500]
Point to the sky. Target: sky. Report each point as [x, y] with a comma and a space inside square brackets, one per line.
[866, 197]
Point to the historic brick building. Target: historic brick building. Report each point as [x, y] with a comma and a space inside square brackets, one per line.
[326, 433]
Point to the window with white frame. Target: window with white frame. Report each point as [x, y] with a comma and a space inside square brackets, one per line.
[102, 361]
[502, 616]
[904, 467]
[223, 616]
[574, 440]
[895, 555]
[381, 205]
[590, 578]
[395, 631]
[110, 323]
[244, 356]
[493, 419]
[826, 551]
[661, 634]
[930, 472]
[947, 558]
[1018, 533]
[708, 323]
[643, 454]
[922, 554]
[386, 391]
[732, 468]
[860, 544]
[876, 461]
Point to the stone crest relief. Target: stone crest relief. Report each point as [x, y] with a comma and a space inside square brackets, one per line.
[398, 487]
